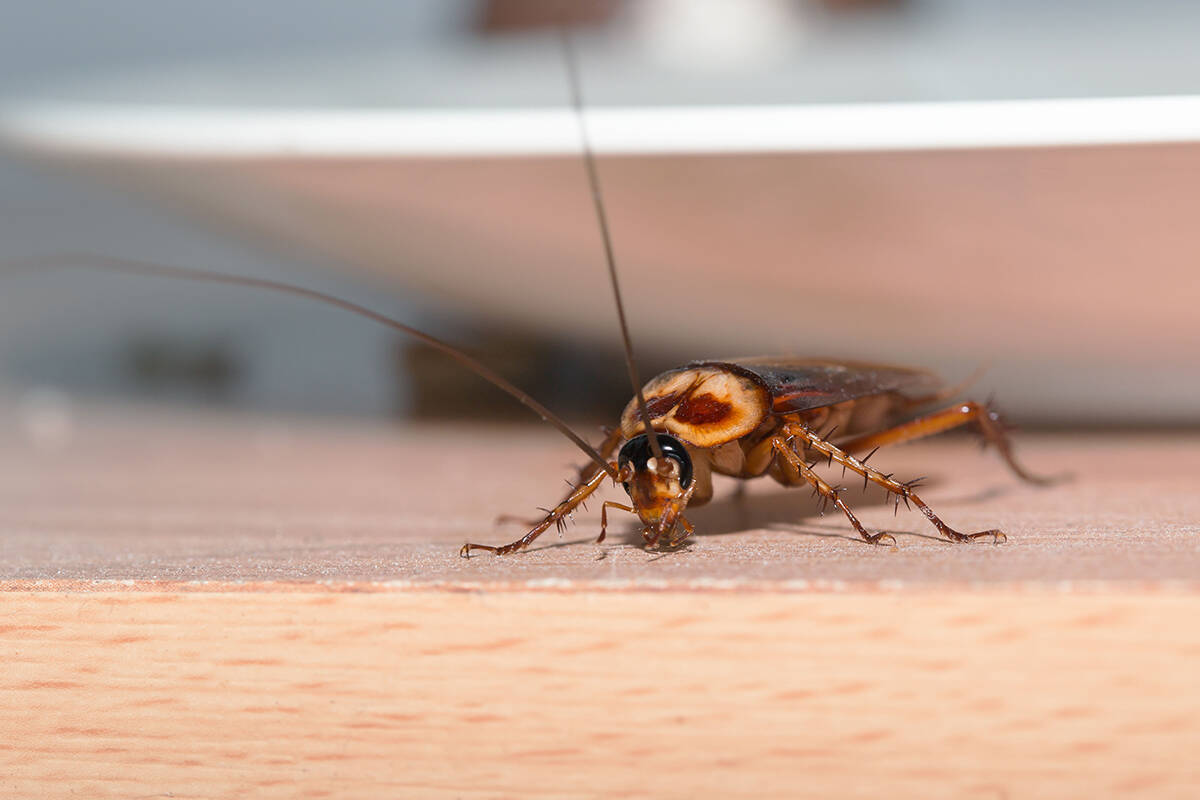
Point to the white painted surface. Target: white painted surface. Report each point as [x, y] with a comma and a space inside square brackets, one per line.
[235, 132]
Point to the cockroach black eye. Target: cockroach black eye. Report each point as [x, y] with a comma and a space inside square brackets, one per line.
[637, 452]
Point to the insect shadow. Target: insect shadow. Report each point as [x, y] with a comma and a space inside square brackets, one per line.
[736, 512]
[782, 510]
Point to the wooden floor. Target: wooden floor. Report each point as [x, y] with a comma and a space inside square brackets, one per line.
[204, 606]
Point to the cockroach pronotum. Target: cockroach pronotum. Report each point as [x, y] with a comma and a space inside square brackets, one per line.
[744, 417]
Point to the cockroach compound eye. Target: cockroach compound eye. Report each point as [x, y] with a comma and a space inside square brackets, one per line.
[637, 453]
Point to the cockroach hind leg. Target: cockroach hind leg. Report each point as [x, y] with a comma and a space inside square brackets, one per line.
[827, 493]
[983, 417]
[994, 431]
[465, 550]
[997, 536]
[499, 550]
[903, 492]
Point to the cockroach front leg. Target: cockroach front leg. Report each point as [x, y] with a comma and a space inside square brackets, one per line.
[796, 465]
[671, 517]
[805, 438]
[688, 530]
[556, 516]
[612, 437]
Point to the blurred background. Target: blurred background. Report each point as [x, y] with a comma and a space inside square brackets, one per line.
[917, 181]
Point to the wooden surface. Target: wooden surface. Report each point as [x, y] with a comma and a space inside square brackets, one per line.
[205, 607]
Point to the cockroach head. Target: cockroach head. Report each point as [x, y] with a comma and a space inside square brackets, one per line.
[659, 492]
[638, 454]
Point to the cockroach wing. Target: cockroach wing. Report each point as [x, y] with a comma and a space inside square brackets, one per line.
[798, 384]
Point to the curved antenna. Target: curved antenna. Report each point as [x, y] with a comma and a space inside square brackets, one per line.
[589, 161]
[136, 267]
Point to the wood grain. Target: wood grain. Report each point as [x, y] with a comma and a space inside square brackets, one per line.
[585, 695]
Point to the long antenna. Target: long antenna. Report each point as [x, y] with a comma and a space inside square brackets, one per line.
[589, 161]
[137, 267]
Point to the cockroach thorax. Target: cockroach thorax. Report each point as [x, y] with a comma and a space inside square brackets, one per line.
[703, 406]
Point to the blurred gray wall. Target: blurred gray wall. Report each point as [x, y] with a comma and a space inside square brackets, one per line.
[84, 332]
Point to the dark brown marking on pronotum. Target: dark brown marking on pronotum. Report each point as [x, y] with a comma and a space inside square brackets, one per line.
[702, 409]
[658, 406]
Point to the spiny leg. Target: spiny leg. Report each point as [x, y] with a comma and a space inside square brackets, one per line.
[903, 491]
[957, 415]
[555, 516]
[827, 492]
[612, 437]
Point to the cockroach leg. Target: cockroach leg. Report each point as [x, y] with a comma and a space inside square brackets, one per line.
[612, 437]
[604, 516]
[688, 530]
[795, 464]
[803, 438]
[988, 420]
[672, 517]
[556, 516]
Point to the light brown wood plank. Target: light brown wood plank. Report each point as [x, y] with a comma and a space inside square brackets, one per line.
[582, 695]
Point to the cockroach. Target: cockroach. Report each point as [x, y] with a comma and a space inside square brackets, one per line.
[743, 417]
[751, 417]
